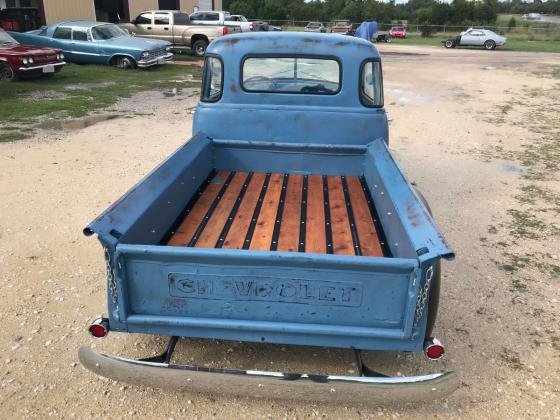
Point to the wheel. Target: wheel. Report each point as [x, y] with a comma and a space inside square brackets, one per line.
[435, 286]
[199, 47]
[449, 43]
[489, 45]
[6, 73]
[388, 39]
[124, 63]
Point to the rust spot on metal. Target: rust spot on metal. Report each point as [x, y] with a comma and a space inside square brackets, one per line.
[412, 214]
[233, 88]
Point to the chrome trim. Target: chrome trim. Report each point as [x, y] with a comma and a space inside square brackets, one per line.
[262, 384]
[154, 61]
[62, 63]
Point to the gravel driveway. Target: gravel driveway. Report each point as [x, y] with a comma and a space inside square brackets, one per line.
[476, 131]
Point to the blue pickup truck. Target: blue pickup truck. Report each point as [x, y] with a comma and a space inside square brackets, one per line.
[284, 219]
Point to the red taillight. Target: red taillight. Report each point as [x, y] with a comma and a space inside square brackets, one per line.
[434, 349]
[225, 32]
[99, 328]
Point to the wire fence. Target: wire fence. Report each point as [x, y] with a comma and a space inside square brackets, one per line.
[548, 29]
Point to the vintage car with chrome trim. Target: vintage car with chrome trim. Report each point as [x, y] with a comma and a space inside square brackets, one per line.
[98, 43]
[18, 60]
[283, 220]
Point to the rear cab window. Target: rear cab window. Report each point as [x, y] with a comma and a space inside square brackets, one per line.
[297, 74]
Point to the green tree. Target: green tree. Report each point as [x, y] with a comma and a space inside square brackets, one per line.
[242, 7]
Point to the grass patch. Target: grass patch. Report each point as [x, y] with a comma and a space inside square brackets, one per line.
[530, 194]
[527, 225]
[78, 90]
[6, 137]
[513, 43]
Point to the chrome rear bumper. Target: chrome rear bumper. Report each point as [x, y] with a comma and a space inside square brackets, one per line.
[261, 384]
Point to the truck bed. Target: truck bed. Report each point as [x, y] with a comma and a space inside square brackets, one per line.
[281, 212]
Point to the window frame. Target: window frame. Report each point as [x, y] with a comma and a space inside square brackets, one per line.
[202, 99]
[361, 93]
[89, 37]
[151, 14]
[166, 14]
[313, 56]
[63, 27]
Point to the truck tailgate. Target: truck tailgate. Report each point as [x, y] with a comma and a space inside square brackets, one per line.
[325, 300]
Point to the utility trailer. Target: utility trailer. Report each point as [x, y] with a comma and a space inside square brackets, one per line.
[284, 220]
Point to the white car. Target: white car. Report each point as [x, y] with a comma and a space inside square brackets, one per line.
[476, 37]
[213, 17]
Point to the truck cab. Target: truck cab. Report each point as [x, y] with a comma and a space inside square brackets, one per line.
[285, 220]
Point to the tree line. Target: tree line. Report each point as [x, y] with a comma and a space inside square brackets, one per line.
[458, 12]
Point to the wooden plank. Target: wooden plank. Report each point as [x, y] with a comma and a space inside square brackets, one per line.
[315, 237]
[291, 218]
[240, 225]
[215, 224]
[342, 237]
[369, 239]
[187, 228]
[262, 236]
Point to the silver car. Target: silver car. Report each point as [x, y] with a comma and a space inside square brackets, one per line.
[476, 37]
[315, 27]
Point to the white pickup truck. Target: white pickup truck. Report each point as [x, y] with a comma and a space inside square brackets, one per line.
[214, 17]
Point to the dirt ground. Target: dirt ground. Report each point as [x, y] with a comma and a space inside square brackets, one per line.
[479, 134]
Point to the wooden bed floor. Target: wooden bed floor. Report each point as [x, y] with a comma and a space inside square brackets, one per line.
[281, 212]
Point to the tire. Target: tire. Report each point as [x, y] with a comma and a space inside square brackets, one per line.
[449, 43]
[7, 73]
[125, 63]
[199, 47]
[435, 287]
[489, 45]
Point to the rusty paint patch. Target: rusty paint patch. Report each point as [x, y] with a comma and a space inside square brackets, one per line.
[233, 88]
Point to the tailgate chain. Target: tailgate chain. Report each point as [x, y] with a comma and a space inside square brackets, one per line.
[423, 295]
[111, 283]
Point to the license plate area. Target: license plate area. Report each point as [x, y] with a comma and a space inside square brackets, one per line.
[48, 68]
[161, 60]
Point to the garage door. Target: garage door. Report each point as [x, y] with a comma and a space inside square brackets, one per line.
[204, 4]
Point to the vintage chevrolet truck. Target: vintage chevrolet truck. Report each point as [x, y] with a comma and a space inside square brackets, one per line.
[284, 219]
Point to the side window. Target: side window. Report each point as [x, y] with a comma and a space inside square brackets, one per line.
[371, 87]
[80, 34]
[161, 19]
[144, 19]
[62, 33]
[180, 19]
[196, 16]
[212, 80]
[212, 16]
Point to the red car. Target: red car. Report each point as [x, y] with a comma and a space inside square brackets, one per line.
[18, 60]
[343, 27]
[397, 32]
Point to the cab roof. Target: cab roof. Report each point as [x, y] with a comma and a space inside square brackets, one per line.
[293, 43]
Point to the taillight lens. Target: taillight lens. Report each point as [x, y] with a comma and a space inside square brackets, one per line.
[433, 349]
[225, 30]
[99, 328]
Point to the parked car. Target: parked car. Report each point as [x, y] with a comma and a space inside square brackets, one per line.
[397, 32]
[20, 19]
[476, 37]
[177, 28]
[214, 17]
[18, 60]
[99, 43]
[315, 27]
[343, 27]
[253, 25]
